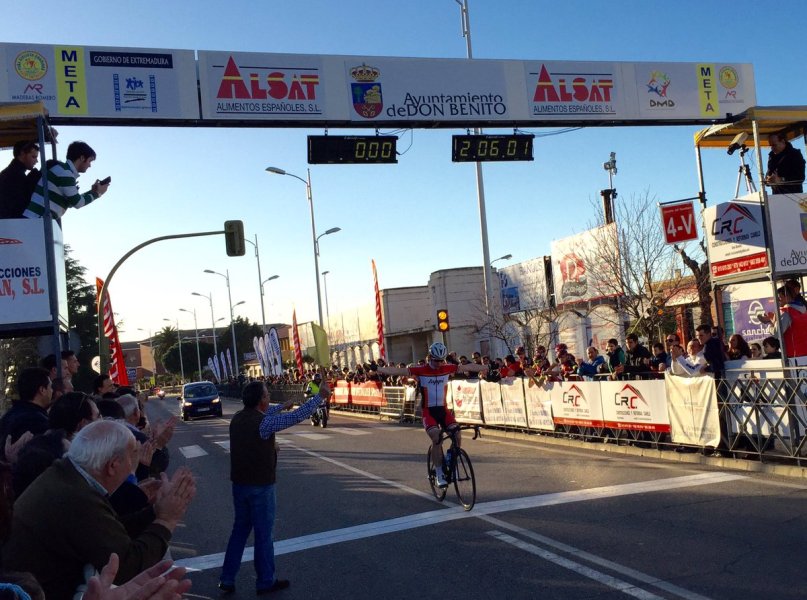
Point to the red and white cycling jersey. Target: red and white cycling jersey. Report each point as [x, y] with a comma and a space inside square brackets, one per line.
[433, 383]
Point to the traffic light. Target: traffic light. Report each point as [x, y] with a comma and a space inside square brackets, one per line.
[442, 320]
[234, 238]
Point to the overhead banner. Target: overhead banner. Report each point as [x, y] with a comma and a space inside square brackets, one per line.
[374, 91]
[789, 220]
[89, 82]
[735, 239]
[523, 286]
[586, 266]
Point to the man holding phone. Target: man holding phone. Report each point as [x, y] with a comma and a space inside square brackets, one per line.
[63, 185]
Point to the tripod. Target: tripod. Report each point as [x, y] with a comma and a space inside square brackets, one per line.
[744, 171]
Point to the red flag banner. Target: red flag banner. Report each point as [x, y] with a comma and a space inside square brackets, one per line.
[117, 363]
[298, 352]
[378, 318]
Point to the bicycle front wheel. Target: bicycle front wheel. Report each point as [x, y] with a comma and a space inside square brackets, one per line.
[464, 480]
[439, 493]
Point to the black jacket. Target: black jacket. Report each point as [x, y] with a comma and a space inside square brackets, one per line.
[16, 189]
[21, 417]
[253, 460]
[789, 165]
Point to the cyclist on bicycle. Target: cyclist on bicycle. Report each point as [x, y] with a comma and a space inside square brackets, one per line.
[433, 383]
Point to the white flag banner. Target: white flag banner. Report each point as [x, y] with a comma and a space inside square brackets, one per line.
[264, 353]
[212, 367]
[256, 345]
[224, 366]
[230, 363]
[692, 407]
[275, 352]
[219, 373]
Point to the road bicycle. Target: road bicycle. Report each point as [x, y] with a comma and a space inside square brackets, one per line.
[457, 469]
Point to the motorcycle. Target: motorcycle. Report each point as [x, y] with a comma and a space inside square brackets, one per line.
[320, 416]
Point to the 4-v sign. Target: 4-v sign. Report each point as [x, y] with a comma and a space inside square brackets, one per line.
[678, 221]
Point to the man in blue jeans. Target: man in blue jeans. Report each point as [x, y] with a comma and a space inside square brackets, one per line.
[253, 462]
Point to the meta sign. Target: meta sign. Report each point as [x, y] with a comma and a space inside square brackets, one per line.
[678, 221]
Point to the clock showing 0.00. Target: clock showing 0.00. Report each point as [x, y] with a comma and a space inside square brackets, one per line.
[358, 149]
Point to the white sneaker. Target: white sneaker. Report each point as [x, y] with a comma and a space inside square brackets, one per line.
[441, 480]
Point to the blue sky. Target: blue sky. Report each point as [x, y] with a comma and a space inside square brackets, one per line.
[415, 217]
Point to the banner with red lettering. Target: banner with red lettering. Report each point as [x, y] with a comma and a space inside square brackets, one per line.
[298, 352]
[378, 318]
[576, 403]
[637, 405]
[117, 364]
[370, 393]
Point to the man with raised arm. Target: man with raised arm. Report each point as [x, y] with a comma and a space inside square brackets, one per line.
[433, 383]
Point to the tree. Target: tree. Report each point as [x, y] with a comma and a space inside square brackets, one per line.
[629, 270]
[163, 340]
[83, 316]
[245, 332]
[170, 359]
[702, 271]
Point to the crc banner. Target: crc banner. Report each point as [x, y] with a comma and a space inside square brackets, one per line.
[576, 403]
[466, 400]
[637, 405]
[735, 238]
[586, 266]
[523, 286]
[693, 412]
[89, 82]
[23, 271]
[789, 220]
[539, 408]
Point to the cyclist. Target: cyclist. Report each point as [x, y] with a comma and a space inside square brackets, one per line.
[433, 383]
[311, 390]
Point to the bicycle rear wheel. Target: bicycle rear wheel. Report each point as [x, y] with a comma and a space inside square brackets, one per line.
[464, 480]
[439, 493]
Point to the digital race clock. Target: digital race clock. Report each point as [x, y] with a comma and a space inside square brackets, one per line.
[477, 148]
[357, 149]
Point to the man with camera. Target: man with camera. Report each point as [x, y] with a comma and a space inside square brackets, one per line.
[63, 185]
[785, 172]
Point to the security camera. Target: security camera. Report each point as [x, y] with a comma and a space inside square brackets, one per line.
[737, 142]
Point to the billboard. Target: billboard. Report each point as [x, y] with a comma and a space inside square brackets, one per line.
[88, 82]
[735, 239]
[523, 286]
[585, 266]
[788, 214]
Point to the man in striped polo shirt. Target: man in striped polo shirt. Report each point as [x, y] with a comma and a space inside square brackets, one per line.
[63, 186]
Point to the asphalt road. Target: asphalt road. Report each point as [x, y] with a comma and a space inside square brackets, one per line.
[356, 519]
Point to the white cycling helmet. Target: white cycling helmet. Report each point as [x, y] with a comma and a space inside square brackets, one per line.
[438, 351]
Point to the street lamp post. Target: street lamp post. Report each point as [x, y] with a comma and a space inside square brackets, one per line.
[263, 283]
[480, 184]
[314, 236]
[153, 360]
[505, 257]
[196, 329]
[327, 312]
[226, 276]
[179, 345]
[212, 319]
[260, 280]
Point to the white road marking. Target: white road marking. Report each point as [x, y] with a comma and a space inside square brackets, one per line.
[602, 578]
[313, 436]
[224, 444]
[350, 431]
[192, 451]
[346, 534]
[597, 560]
